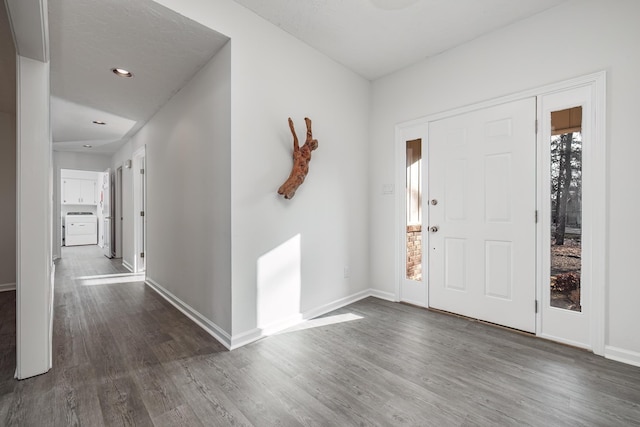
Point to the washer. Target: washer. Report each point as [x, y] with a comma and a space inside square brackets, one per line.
[81, 228]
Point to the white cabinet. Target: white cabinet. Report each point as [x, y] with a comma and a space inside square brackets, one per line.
[77, 191]
[89, 192]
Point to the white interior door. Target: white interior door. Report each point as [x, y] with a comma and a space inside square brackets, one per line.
[482, 191]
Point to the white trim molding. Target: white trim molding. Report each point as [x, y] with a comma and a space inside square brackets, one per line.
[210, 327]
[326, 308]
[34, 208]
[139, 205]
[598, 178]
[7, 287]
[128, 266]
[280, 325]
[232, 342]
[387, 296]
[245, 338]
[622, 355]
[408, 290]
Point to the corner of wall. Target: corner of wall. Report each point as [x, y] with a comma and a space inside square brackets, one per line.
[207, 325]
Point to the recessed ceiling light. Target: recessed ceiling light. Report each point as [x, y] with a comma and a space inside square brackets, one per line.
[87, 146]
[99, 122]
[121, 72]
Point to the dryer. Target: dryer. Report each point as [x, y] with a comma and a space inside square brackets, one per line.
[81, 228]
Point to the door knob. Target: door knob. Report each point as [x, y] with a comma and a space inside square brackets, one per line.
[434, 229]
[434, 202]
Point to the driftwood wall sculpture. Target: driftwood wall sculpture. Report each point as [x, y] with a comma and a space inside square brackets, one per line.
[301, 159]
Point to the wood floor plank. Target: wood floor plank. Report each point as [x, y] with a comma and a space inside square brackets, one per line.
[181, 416]
[207, 399]
[121, 403]
[124, 356]
[257, 403]
[294, 400]
[157, 390]
[371, 381]
[76, 398]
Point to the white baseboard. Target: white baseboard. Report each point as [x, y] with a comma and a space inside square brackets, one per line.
[211, 328]
[245, 338]
[235, 341]
[621, 355]
[7, 287]
[126, 265]
[324, 309]
[280, 325]
[388, 296]
[275, 327]
[565, 341]
[238, 340]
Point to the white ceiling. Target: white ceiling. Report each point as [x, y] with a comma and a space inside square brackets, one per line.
[88, 38]
[72, 126]
[378, 37]
[164, 50]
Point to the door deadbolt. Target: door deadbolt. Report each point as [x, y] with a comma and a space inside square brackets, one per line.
[434, 202]
[434, 229]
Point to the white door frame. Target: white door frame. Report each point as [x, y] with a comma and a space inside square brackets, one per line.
[592, 98]
[139, 204]
[420, 295]
[117, 249]
[597, 182]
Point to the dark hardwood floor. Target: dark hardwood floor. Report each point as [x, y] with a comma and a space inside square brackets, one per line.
[124, 356]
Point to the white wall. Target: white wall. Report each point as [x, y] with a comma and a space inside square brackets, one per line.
[275, 76]
[329, 211]
[7, 200]
[34, 268]
[188, 193]
[77, 161]
[574, 39]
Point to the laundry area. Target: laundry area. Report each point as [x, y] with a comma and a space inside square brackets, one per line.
[86, 209]
[81, 228]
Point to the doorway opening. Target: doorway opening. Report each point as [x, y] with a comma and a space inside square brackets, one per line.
[82, 209]
[556, 210]
[118, 214]
[139, 206]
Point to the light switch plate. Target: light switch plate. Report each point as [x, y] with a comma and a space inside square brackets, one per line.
[387, 188]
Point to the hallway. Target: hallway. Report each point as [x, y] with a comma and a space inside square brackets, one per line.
[110, 334]
[124, 356]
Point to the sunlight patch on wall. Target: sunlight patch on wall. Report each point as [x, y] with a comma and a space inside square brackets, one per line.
[279, 282]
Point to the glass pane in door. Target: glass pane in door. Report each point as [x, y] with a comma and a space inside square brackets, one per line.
[566, 208]
[414, 210]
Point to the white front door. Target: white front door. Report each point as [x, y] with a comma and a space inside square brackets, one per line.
[482, 208]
